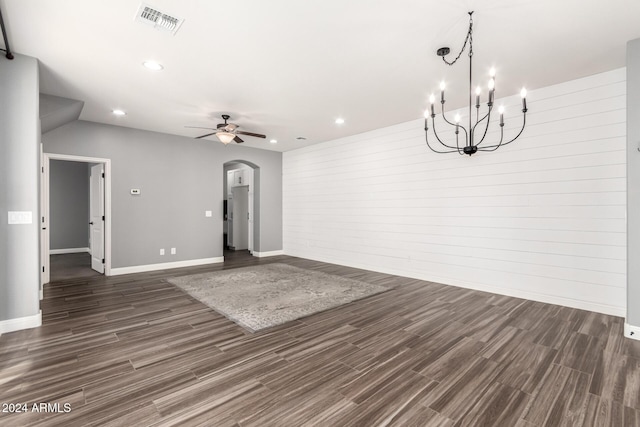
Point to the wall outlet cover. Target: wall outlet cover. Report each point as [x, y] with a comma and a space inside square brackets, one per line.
[208, 214]
[161, 251]
[631, 331]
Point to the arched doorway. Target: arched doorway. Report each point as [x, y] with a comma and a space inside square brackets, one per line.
[241, 182]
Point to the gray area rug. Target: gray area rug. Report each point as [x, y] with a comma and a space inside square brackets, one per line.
[263, 296]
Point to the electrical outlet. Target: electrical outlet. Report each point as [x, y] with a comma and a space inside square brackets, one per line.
[161, 251]
[173, 251]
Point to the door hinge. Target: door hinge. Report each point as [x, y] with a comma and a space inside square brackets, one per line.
[103, 174]
[42, 169]
[103, 260]
[103, 217]
[43, 268]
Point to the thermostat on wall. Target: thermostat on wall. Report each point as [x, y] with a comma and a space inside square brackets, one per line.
[135, 191]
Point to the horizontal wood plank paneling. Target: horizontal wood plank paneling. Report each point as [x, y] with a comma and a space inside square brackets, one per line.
[542, 218]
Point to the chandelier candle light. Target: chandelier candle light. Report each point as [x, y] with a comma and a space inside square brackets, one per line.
[471, 144]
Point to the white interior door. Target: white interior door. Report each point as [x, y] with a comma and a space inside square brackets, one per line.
[96, 217]
[240, 217]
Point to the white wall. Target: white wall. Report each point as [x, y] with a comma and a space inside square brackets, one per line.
[180, 179]
[542, 218]
[19, 178]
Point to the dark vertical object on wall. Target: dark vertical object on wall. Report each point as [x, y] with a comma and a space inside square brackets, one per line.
[9, 55]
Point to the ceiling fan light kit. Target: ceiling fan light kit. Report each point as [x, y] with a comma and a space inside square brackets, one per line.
[471, 143]
[225, 137]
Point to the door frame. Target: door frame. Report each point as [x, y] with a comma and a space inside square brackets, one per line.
[251, 183]
[45, 209]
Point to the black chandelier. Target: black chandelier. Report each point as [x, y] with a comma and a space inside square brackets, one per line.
[471, 143]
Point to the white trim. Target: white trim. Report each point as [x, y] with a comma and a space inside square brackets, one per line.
[41, 294]
[43, 219]
[535, 296]
[267, 254]
[20, 323]
[68, 251]
[164, 266]
[632, 332]
[107, 201]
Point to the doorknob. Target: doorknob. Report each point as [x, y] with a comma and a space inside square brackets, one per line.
[91, 223]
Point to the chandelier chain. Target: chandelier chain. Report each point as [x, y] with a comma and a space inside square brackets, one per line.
[469, 40]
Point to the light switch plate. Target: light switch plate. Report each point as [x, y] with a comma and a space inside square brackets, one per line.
[20, 217]
[173, 251]
[208, 214]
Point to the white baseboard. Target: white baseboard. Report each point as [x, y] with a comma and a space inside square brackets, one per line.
[631, 331]
[164, 266]
[20, 323]
[266, 254]
[516, 293]
[68, 251]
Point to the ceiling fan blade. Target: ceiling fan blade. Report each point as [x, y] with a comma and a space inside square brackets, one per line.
[257, 135]
[199, 127]
[238, 140]
[204, 136]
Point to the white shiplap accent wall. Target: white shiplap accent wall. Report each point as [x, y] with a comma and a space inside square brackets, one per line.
[542, 218]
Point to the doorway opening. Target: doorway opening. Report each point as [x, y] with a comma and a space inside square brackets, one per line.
[241, 212]
[75, 217]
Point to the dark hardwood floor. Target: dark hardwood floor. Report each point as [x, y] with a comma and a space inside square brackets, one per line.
[135, 351]
[69, 266]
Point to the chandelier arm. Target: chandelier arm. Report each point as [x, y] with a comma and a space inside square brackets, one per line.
[524, 122]
[498, 145]
[443, 116]
[433, 122]
[466, 140]
[486, 128]
[479, 121]
[426, 137]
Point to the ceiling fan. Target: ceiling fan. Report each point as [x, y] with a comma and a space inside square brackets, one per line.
[226, 132]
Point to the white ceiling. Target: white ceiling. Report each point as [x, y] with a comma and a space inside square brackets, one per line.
[289, 68]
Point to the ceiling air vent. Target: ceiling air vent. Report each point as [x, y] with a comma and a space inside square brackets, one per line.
[157, 19]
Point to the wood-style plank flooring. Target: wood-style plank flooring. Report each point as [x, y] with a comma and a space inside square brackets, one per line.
[69, 266]
[137, 351]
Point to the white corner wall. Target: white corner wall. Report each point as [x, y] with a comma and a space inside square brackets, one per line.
[542, 218]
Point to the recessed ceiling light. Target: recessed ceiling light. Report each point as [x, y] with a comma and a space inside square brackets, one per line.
[119, 113]
[153, 65]
[273, 141]
[339, 121]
